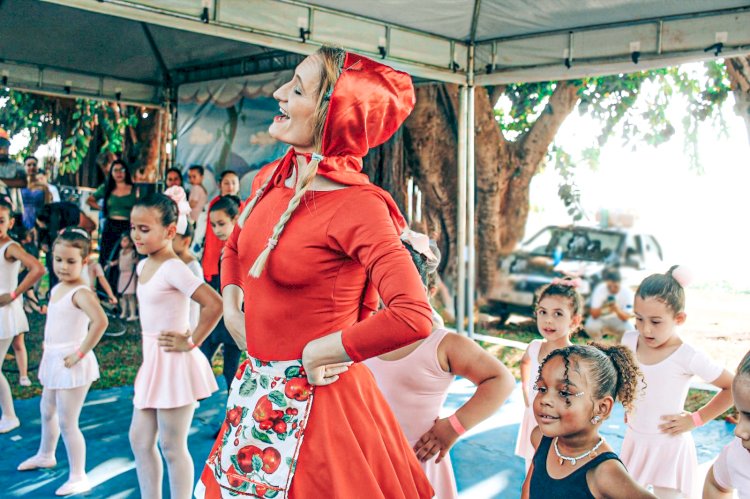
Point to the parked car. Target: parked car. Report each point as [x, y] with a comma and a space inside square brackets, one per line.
[558, 251]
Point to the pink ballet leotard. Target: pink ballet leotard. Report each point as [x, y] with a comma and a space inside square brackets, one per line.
[524, 448]
[656, 458]
[167, 380]
[416, 387]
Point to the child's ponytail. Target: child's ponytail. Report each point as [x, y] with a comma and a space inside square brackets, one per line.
[625, 387]
[668, 287]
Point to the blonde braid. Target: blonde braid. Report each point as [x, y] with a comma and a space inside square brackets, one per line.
[302, 184]
[251, 204]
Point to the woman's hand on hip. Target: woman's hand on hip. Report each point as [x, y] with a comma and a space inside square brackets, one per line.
[173, 341]
[325, 359]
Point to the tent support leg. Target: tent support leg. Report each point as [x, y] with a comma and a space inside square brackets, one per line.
[461, 236]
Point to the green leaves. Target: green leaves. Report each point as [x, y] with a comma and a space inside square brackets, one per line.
[260, 436]
[248, 387]
[277, 398]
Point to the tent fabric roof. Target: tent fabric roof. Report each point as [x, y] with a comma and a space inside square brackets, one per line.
[499, 19]
[134, 49]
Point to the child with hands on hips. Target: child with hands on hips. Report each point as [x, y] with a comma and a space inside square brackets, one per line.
[576, 389]
[75, 324]
[174, 374]
[559, 312]
[415, 381]
[12, 317]
[731, 470]
[658, 448]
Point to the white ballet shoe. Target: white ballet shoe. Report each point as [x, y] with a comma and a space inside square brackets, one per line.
[77, 487]
[36, 462]
[9, 424]
[24, 381]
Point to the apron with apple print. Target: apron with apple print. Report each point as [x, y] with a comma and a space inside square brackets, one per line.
[267, 409]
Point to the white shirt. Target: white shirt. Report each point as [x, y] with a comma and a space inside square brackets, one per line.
[601, 296]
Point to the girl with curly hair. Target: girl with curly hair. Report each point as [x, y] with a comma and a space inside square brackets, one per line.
[576, 389]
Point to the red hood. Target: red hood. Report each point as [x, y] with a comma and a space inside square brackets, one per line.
[370, 101]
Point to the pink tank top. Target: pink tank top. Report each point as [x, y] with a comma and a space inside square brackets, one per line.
[414, 386]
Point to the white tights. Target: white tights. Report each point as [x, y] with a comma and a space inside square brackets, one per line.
[6, 398]
[60, 411]
[171, 426]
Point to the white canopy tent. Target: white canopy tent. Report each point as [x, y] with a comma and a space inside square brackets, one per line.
[140, 51]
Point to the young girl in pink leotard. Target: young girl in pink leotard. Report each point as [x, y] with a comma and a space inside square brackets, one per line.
[658, 449]
[174, 374]
[732, 468]
[415, 381]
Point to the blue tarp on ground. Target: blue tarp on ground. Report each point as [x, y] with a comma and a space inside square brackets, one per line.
[483, 459]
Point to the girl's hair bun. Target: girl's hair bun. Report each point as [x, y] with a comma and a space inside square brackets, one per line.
[681, 274]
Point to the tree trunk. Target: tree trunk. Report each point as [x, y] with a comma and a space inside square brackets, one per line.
[738, 69]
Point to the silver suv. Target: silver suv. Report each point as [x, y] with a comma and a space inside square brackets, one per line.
[557, 251]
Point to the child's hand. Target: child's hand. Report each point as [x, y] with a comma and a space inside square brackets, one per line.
[71, 360]
[172, 341]
[674, 424]
[437, 441]
[112, 299]
[5, 299]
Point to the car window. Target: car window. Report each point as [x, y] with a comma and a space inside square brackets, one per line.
[651, 250]
[576, 243]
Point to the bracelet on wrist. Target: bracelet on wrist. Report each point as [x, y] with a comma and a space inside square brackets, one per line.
[13, 295]
[80, 354]
[456, 424]
[697, 419]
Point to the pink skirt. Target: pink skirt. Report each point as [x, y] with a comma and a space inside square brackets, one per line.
[441, 477]
[167, 380]
[661, 460]
[524, 448]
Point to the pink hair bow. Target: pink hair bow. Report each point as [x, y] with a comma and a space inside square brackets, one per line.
[568, 281]
[420, 242]
[177, 194]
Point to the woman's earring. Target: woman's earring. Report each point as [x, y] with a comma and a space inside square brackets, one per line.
[595, 420]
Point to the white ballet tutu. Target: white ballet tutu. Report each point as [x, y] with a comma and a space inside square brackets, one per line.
[661, 460]
[54, 375]
[13, 319]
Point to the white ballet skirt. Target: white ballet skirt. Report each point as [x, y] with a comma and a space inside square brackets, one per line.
[524, 448]
[650, 456]
[65, 330]
[13, 320]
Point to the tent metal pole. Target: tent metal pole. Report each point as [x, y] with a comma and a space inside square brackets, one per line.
[470, 190]
[461, 236]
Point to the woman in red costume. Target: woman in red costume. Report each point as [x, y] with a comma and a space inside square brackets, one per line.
[314, 247]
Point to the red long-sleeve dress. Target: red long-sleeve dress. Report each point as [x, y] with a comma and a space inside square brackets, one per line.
[313, 285]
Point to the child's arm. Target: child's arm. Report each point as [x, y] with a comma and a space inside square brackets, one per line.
[494, 384]
[211, 309]
[675, 424]
[536, 437]
[36, 271]
[611, 480]
[107, 288]
[525, 374]
[712, 490]
[86, 300]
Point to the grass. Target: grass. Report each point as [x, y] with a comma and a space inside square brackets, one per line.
[119, 358]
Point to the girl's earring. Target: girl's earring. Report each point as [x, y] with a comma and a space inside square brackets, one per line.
[595, 420]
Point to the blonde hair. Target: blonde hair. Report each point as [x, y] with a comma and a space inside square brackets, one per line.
[332, 62]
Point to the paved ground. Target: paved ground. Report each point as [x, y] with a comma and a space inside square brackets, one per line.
[483, 459]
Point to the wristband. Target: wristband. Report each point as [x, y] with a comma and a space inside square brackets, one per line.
[193, 344]
[456, 424]
[697, 420]
[80, 354]
[13, 295]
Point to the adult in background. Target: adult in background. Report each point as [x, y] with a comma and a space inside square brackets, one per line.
[312, 424]
[34, 195]
[611, 307]
[119, 197]
[12, 174]
[173, 177]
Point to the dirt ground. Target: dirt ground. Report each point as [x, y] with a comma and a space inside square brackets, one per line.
[718, 323]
